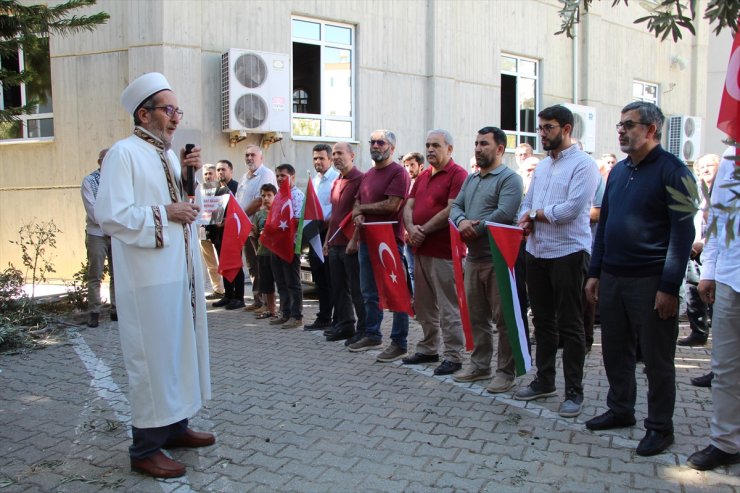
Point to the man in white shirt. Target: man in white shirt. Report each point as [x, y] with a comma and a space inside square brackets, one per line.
[720, 285]
[249, 198]
[555, 216]
[322, 183]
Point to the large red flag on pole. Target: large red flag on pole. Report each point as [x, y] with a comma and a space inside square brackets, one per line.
[729, 110]
[505, 241]
[311, 211]
[237, 227]
[388, 269]
[458, 253]
[278, 234]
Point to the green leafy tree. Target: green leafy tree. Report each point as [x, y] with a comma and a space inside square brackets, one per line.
[666, 18]
[29, 27]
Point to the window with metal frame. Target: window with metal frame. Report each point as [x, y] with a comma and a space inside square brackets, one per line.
[645, 91]
[38, 122]
[519, 99]
[323, 79]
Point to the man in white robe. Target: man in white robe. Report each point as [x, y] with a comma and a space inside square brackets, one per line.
[141, 204]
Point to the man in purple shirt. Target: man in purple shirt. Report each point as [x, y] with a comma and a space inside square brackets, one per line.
[380, 198]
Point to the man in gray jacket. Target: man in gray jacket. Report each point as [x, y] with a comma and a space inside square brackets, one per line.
[493, 193]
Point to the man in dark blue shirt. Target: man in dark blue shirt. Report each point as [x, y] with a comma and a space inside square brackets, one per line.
[639, 259]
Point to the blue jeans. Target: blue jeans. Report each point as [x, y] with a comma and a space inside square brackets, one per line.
[373, 313]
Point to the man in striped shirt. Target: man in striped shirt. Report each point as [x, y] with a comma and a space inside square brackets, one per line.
[555, 217]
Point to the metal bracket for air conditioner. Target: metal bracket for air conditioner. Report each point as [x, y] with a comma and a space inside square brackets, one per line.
[236, 137]
[270, 138]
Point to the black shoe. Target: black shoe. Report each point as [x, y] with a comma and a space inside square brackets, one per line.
[703, 381]
[693, 339]
[233, 305]
[653, 443]
[340, 335]
[354, 338]
[113, 315]
[447, 368]
[419, 358]
[317, 325]
[214, 296]
[711, 458]
[92, 321]
[609, 420]
[222, 302]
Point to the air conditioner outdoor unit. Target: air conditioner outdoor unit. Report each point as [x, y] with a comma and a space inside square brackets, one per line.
[584, 125]
[684, 137]
[255, 91]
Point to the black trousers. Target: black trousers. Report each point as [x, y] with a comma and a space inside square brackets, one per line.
[288, 280]
[697, 312]
[520, 270]
[628, 318]
[148, 440]
[321, 277]
[233, 290]
[346, 294]
[554, 287]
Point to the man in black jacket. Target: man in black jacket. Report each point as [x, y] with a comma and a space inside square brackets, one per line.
[233, 290]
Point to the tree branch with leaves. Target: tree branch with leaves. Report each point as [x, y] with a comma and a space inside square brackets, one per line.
[28, 27]
[666, 18]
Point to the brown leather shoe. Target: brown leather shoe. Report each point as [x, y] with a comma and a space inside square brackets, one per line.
[190, 439]
[158, 465]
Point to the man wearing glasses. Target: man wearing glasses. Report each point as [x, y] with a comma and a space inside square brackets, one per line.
[555, 217]
[380, 198]
[142, 205]
[640, 255]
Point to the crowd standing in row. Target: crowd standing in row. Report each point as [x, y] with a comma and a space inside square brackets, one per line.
[640, 250]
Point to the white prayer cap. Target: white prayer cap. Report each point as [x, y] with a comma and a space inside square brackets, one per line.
[141, 88]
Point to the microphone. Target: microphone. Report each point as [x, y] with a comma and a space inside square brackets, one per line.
[190, 183]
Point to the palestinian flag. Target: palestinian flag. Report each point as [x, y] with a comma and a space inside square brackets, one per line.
[505, 242]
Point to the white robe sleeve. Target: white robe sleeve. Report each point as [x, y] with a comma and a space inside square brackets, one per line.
[117, 210]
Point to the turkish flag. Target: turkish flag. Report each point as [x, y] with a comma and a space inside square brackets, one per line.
[729, 110]
[237, 227]
[279, 231]
[458, 254]
[388, 269]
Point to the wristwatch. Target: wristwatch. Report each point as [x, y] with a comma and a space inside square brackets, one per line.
[533, 214]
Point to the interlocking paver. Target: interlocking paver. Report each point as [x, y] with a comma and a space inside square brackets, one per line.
[295, 413]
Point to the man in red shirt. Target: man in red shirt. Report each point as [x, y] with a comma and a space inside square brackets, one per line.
[425, 216]
[344, 267]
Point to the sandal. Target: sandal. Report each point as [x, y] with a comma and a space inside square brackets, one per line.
[264, 315]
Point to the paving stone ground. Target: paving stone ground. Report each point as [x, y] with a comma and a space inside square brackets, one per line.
[292, 412]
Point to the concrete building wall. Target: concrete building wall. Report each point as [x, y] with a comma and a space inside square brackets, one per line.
[419, 65]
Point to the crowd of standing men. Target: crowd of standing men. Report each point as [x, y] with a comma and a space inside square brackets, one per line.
[634, 270]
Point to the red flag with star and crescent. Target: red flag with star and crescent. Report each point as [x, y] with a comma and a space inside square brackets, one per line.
[388, 269]
[237, 227]
[729, 110]
[278, 235]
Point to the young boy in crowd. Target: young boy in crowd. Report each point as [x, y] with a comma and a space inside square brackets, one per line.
[267, 280]
[288, 274]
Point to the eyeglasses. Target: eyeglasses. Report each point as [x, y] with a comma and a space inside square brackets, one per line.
[380, 143]
[169, 110]
[629, 124]
[546, 128]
